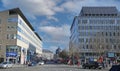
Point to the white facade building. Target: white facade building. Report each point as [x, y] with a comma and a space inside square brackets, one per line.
[18, 40]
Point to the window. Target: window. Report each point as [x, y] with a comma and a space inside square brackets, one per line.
[115, 47]
[86, 46]
[118, 21]
[118, 34]
[11, 36]
[11, 48]
[81, 40]
[112, 21]
[11, 28]
[113, 33]
[12, 19]
[84, 21]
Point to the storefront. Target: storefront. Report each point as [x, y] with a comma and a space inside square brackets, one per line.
[11, 57]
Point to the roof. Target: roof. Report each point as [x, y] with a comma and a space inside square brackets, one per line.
[38, 36]
[18, 11]
[99, 10]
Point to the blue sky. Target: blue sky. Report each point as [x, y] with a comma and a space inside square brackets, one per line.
[52, 18]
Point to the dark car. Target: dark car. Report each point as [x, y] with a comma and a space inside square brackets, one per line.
[115, 68]
[32, 64]
[92, 65]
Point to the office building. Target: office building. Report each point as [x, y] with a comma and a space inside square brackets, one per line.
[19, 42]
[95, 32]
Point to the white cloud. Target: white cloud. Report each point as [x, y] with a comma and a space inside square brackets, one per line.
[56, 35]
[34, 7]
[53, 48]
[44, 22]
[52, 18]
[56, 32]
[74, 6]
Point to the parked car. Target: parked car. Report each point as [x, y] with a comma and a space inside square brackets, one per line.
[92, 65]
[115, 68]
[41, 63]
[32, 63]
[6, 65]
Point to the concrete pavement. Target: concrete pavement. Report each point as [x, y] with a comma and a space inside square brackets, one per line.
[50, 67]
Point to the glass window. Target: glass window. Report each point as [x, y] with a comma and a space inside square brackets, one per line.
[12, 19]
[112, 21]
[118, 21]
[11, 28]
[81, 40]
[86, 46]
[84, 21]
[11, 48]
[113, 33]
[11, 36]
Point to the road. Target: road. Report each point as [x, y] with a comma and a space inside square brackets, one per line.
[50, 67]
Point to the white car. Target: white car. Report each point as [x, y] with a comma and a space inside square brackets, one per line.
[41, 63]
[6, 65]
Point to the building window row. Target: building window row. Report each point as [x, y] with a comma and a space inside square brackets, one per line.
[26, 35]
[12, 48]
[102, 21]
[97, 47]
[20, 22]
[99, 27]
[99, 40]
[22, 39]
[99, 33]
[98, 15]
[97, 21]
[23, 25]
[11, 28]
[84, 21]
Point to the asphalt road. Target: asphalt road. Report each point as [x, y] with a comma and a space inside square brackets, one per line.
[50, 67]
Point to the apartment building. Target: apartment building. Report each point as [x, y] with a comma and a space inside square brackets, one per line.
[95, 32]
[18, 40]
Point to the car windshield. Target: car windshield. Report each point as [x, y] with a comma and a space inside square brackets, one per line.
[5, 63]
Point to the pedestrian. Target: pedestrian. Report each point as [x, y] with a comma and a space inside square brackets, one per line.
[69, 61]
[78, 63]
